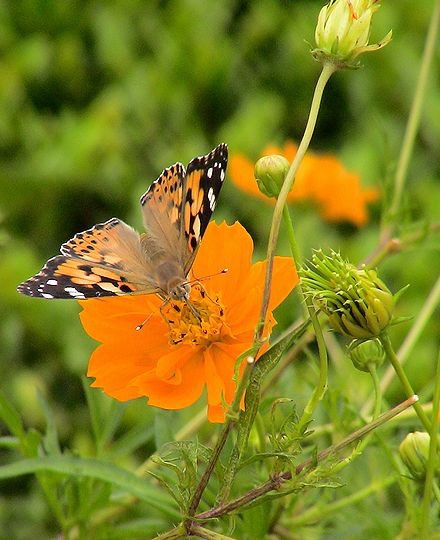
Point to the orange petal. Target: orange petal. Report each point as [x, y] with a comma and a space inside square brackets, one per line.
[224, 246]
[243, 314]
[216, 414]
[214, 382]
[107, 319]
[168, 395]
[114, 370]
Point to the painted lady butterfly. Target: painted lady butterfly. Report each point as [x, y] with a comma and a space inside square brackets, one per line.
[112, 259]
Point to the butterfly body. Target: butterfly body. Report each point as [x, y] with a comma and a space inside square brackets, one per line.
[112, 259]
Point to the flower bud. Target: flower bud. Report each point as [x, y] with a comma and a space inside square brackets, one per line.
[270, 172]
[366, 354]
[414, 451]
[343, 31]
[358, 304]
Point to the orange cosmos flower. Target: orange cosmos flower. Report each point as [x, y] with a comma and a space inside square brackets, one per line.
[172, 361]
[322, 180]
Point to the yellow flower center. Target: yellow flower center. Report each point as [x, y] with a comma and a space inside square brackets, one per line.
[199, 323]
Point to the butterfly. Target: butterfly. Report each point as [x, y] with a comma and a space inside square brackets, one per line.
[112, 259]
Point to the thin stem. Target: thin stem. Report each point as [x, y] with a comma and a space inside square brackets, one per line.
[325, 75]
[279, 479]
[230, 421]
[432, 460]
[207, 534]
[415, 113]
[360, 447]
[316, 513]
[392, 357]
[377, 391]
[321, 387]
[210, 467]
[436, 492]
[411, 338]
[175, 534]
[364, 430]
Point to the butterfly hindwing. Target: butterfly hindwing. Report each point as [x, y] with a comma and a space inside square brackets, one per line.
[204, 179]
[106, 260]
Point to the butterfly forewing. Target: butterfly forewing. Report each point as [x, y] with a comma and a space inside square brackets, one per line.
[204, 179]
[161, 207]
[106, 260]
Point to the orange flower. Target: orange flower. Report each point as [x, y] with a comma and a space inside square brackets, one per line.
[172, 361]
[322, 180]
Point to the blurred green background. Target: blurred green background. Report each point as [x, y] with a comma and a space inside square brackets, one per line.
[97, 97]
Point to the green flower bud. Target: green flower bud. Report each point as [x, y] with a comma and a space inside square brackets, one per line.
[357, 303]
[270, 172]
[414, 451]
[343, 31]
[367, 353]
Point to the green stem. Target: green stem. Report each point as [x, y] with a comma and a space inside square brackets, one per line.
[325, 75]
[377, 391]
[278, 479]
[320, 389]
[318, 512]
[432, 460]
[201, 532]
[392, 357]
[411, 338]
[175, 534]
[231, 419]
[362, 444]
[415, 113]
[436, 492]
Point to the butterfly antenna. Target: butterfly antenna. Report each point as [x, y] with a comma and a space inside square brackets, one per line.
[143, 323]
[199, 280]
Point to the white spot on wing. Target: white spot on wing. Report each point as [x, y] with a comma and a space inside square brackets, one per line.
[210, 172]
[74, 292]
[46, 295]
[222, 175]
[211, 199]
[52, 282]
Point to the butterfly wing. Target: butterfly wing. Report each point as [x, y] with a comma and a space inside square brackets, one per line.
[178, 205]
[204, 179]
[106, 260]
[162, 208]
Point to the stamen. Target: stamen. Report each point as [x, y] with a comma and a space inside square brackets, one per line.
[200, 320]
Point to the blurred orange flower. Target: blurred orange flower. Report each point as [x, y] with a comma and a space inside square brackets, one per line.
[321, 179]
[172, 361]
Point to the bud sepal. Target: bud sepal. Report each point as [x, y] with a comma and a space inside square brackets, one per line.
[270, 172]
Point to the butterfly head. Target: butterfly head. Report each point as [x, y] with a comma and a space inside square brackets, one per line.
[179, 291]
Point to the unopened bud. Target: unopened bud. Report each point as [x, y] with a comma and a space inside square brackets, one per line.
[366, 354]
[414, 451]
[270, 172]
[358, 304]
[343, 31]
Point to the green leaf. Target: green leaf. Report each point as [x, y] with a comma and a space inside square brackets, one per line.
[95, 469]
[50, 439]
[139, 528]
[11, 418]
[163, 427]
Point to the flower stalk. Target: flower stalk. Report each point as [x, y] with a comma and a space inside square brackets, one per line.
[414, 117]
[432, 458]
[279, 479]
[392, 357]
[326, 73]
